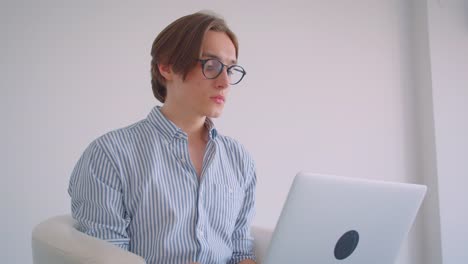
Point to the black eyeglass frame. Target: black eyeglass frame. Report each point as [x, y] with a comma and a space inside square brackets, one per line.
[203, 62]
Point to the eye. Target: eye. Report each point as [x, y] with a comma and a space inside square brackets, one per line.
[212, 66]
[209, 68]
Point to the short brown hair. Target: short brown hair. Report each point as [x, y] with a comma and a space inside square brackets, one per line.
[179, 45]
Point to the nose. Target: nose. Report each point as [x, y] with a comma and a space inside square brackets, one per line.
[222, 82]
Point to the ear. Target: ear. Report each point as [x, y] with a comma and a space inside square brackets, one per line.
[166, 71]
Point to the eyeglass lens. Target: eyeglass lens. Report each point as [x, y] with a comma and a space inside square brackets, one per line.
[213, 68]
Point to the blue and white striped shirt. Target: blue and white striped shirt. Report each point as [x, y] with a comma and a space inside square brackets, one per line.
[137, 188]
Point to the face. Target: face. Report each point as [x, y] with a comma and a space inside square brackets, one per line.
[196, 94]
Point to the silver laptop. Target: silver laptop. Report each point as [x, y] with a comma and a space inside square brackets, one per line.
[330, 219]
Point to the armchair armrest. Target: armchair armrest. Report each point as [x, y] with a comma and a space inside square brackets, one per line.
[57, 241]
[262, 237]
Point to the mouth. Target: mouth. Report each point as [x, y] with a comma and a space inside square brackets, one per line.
[219, 99]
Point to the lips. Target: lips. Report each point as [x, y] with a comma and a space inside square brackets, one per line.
[218, 99]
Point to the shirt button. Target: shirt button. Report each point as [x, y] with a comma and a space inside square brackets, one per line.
[182, 160]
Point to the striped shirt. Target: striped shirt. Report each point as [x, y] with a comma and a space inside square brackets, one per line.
[137, 188]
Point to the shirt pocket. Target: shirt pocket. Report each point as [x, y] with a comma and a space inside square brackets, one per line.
[224, 205]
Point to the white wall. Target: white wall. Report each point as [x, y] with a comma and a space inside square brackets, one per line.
[448, 33]
[420, 53]
[329, 89]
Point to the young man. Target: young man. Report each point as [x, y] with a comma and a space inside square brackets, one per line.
[170, 188]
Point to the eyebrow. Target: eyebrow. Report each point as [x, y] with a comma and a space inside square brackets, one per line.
[210, 55]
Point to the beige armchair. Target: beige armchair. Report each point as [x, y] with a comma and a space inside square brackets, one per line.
[56, 241]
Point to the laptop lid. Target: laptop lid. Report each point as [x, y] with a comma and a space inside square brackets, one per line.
[333, 219]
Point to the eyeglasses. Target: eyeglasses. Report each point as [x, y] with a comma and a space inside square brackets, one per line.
[212, 68]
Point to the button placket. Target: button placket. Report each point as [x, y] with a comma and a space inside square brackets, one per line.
[200, 228]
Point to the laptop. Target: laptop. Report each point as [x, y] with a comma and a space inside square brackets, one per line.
[332, 219]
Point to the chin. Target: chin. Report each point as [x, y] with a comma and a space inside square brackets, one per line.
[214, 113]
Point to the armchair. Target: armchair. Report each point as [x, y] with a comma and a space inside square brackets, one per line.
[55, 241]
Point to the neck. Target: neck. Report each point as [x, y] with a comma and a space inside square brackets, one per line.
[191, 124]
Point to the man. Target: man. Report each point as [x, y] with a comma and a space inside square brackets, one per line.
[170, 188]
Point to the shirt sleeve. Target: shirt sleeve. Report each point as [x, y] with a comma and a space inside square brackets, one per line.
[242, 241]
[96, 197]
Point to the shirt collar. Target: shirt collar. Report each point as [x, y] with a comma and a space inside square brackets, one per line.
[170, 130]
